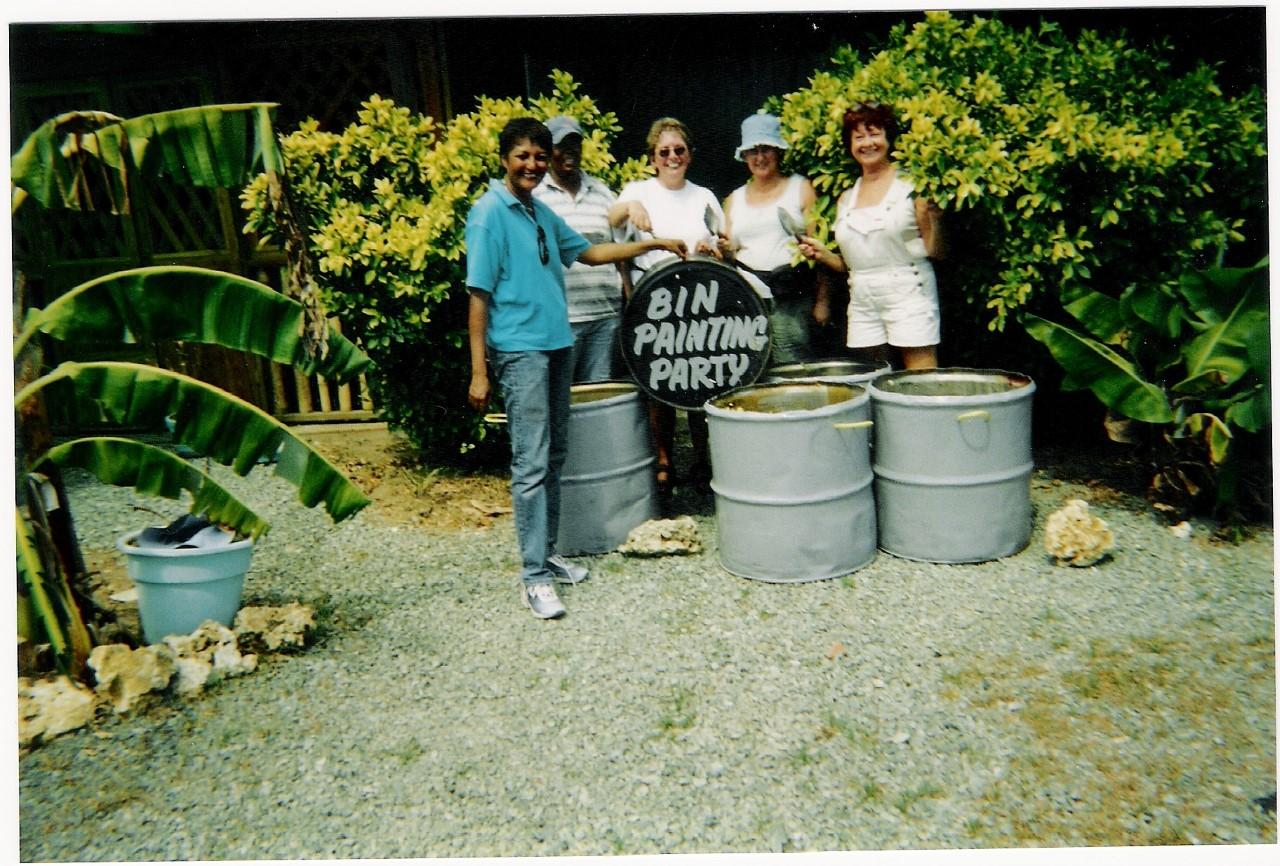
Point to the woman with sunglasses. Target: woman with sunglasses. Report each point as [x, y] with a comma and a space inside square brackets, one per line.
[669, 205]
[761, 243]
[517, 250]
[886, 237]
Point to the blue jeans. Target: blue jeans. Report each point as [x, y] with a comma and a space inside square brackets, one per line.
[593, 347]
[535, 389]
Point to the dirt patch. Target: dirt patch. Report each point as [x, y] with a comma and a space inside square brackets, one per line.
[404, 491]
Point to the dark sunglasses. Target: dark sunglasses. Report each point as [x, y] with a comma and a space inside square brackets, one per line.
[678, 150]
[543, 253]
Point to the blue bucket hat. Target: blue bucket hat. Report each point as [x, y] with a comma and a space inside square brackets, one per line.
[760, 129]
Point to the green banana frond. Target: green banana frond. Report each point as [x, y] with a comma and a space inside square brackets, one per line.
[208, 419]
[1112, 378]
[51, 601]
[155, 471]
[205, 146]
[172, 302]
[1101, 315]
[52, 166]
[1228, 347]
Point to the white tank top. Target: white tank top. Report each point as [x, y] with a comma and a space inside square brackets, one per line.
[763, 243]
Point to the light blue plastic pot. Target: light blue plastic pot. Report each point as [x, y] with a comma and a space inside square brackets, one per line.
[180, 589]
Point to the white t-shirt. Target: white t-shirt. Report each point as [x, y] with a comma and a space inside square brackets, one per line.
[674, 213]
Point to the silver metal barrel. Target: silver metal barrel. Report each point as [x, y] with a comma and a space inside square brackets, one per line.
[953, 463]
[829, 370]
[792, 480]
[606, 487]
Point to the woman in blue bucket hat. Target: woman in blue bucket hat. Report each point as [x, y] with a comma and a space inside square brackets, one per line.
[764, 218]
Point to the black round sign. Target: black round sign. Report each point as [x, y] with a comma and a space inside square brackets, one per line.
[693, 330]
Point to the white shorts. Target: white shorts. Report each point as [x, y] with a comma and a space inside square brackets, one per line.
[896, 305]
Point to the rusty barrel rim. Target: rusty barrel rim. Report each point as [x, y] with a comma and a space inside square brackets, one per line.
[750, 402]
[951, 386]
[589, 393]
[838, 369]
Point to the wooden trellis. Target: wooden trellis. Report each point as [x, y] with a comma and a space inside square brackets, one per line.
[188, 226]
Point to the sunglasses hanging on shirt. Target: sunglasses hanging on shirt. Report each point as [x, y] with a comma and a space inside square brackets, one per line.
[544, 253]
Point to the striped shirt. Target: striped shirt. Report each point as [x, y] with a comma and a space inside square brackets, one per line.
[593, 292]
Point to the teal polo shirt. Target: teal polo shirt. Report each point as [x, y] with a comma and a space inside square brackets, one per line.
[527, 307]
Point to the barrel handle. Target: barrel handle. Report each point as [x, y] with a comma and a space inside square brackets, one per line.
[976, 413]
[496, 418]
[853, 425]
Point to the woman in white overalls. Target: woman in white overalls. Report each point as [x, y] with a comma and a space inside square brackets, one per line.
[886, 237]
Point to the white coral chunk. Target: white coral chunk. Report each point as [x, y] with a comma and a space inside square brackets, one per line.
[1072, 536]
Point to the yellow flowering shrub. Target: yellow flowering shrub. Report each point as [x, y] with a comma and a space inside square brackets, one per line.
[385, 204]
[1064, 165]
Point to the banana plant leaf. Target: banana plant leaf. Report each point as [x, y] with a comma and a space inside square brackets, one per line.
[171, 302]
[1151, 304]
[1212, 294]
[1101, 315]
[1216, 434]
[207, 419]
[1250, 410]
[204, 146]
[1222, 354]
[1113, 379]
[51, 602]
[154, 471]
[1258, 346]
[49, 166]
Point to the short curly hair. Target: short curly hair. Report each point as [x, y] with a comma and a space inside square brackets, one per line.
[661, 125]
[869, 114]
[523, 129]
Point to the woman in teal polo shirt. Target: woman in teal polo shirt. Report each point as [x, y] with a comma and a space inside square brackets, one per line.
[518, 321]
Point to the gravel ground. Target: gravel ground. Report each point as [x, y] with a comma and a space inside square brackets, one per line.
[680, 709]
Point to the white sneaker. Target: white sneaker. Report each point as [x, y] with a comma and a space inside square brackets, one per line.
[565, 571]
[542, 600]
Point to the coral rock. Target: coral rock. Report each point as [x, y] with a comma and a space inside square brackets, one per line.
[271, 629]
[663, 538]
[125, 674]
[47, 708]
[207, 655]
[1072, 536]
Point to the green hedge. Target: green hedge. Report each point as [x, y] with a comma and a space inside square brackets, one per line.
[1066, 165]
